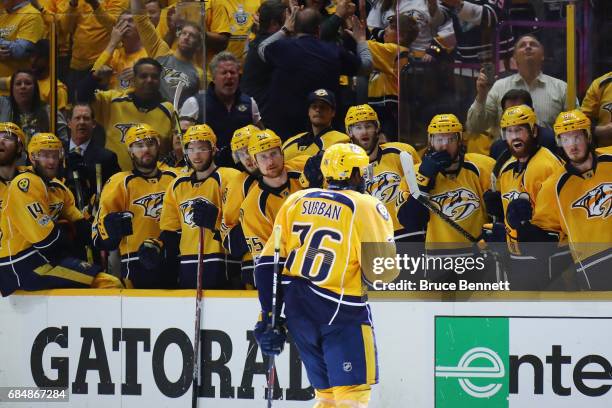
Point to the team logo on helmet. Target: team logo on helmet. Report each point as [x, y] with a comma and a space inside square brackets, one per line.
[511, 195]
[123, 128]
[457, 204]
[186, 208]
[596, 202]
[152, 204]
[384, 186]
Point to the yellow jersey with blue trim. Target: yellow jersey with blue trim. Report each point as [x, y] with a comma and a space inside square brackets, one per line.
[597, 103]
[177, 213]
[143, 197]
[387, 175]
[260, 207]
[116, 112]
[516, 178]
[579, 206]
[322, 232]
[310, 144]
[30, 209]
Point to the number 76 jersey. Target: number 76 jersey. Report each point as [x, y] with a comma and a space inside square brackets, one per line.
[321, 236]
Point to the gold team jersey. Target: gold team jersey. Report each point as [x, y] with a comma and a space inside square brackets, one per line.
[322, 232]
[177, 215]
[386, 179]
[515, 179]
[143, 197]
[308, 144]
[29, 212]
[580, 207]
[116, 112]
[597, 103]
[383, 81]
[25, 23]
[233, 196]
[260, 207]
[459, 196]
[119, 61]
[241, 14]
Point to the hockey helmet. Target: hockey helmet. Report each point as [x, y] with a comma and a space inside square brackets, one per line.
[11, 128]
[139, 132]
[199, 133]
[360, 113]
[262, 141]
[518, 115]
[572, 120]
[241, 137]
[340, 159]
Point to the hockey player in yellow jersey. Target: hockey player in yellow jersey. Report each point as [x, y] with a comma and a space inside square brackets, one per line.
[529, 166]
[328, 239]
[33, 249]
[130, 208]
[575, 203]
[193, 201]
[233, 196]
[277, 181]
[455, 181]
[321, 111]
[12, 142]
[363, 127]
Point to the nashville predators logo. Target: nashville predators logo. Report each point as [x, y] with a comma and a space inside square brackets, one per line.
[384, 186]
[152, 204]
[457, 204]
[597, 202]
[55, 209]
[186, 209]
[123, 128]
[172, 77]
[511, 195]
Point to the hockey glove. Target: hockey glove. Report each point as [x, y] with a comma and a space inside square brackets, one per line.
[271, 340]
[150, 253]
[431, 165]
[205, 214]
[118, 225]
[413, 215]
[493, 202]
[495, 232]
[312, 170]
[519, 212]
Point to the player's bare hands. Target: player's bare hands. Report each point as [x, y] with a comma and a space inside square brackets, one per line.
[482, 87]
[358, 31]
[345, 9]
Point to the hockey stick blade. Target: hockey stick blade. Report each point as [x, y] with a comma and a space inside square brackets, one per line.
[415, 192]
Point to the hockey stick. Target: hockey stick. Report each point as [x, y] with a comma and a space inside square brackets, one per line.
[198, 313]
[103, 253]
[275, 279]
[80, 206]
[415, 192]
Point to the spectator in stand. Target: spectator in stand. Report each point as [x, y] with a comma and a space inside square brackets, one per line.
[25, 108]
[257, 74]
[21, 26]
[39, 65]
[241, 21]
[223, 106]
[389, 57]
[304, 63]
[474, 23]
[545, 137]
[89, 23]
[121, 59]
[153, 9]
[82, 155]
[321, 135]
[117, 111]
[548, 93]
[176, 158]
[178, 65]
[597, 105]
[435, 29]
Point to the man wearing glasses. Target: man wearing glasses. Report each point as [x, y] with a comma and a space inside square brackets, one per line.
[130, 209]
